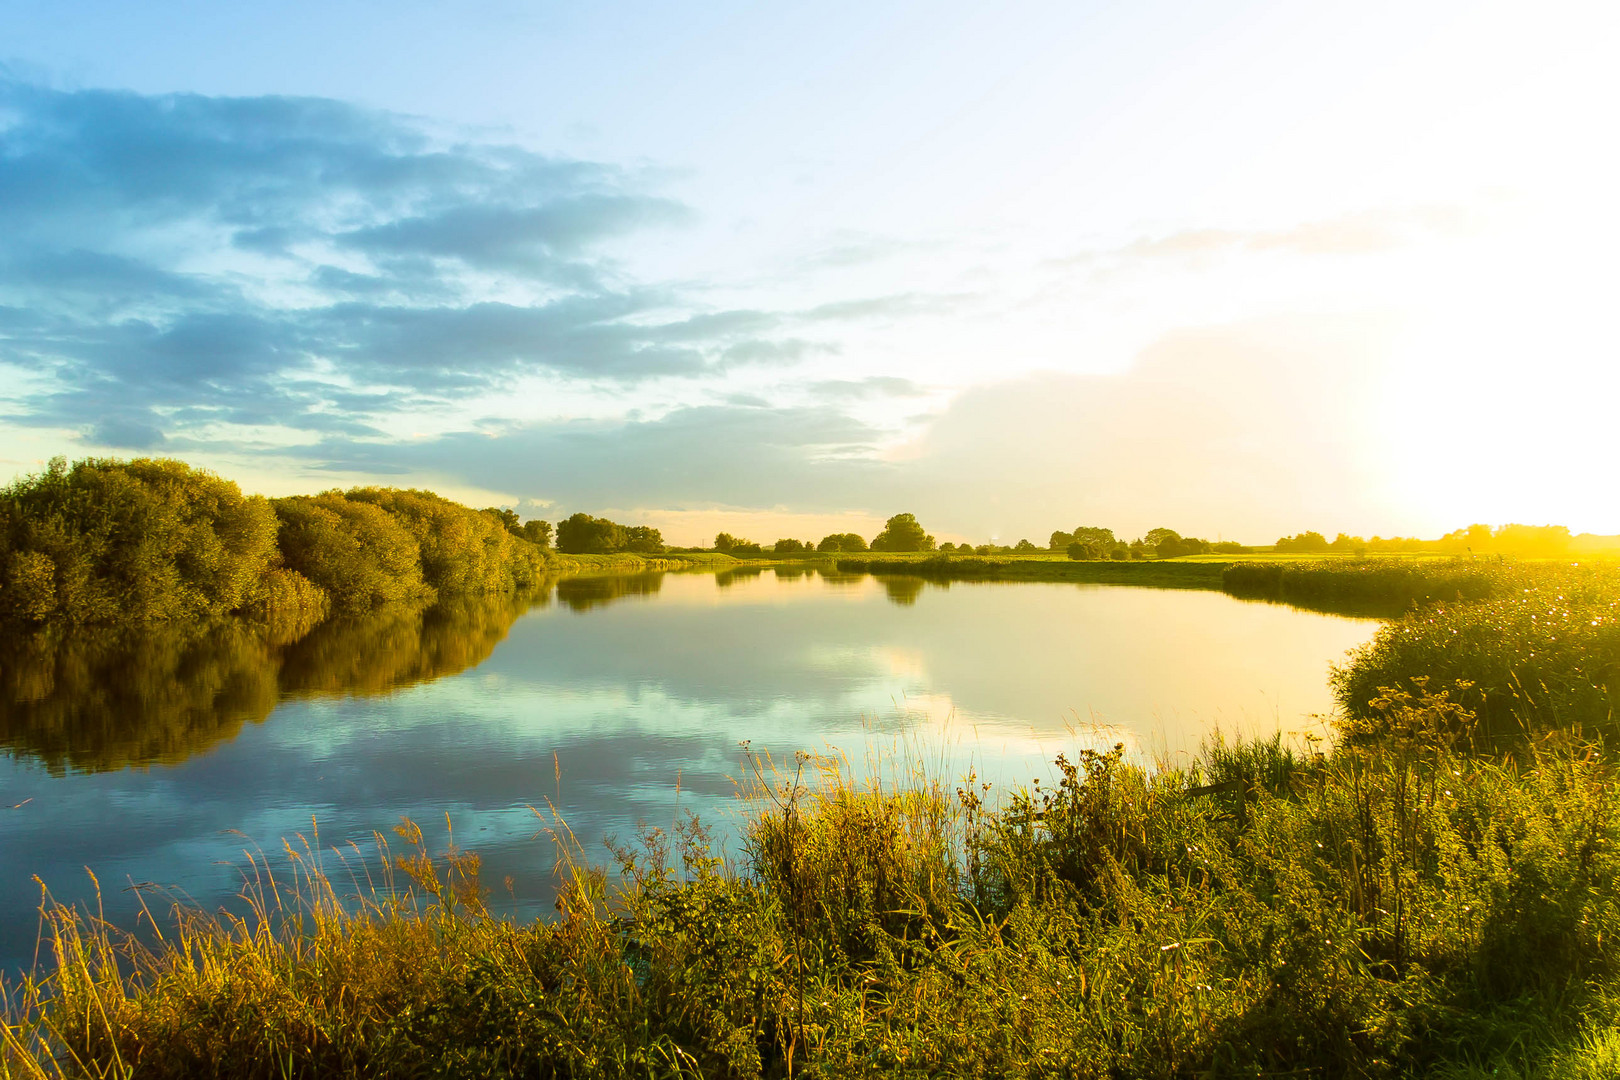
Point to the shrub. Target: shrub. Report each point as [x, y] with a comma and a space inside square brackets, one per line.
[130, 540]
[361, 555]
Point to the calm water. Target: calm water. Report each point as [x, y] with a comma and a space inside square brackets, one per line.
[161, 757]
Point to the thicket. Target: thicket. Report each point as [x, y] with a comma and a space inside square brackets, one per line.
[104, 540]
[150, 540]
[1540, 651]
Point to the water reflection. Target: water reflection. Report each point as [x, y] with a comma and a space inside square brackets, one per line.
[585, 593]
[624, 701]
[93, 700]
[108, 699]
[727, 578]
[902, 589]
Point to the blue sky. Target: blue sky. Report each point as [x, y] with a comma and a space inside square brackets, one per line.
[1238, 269]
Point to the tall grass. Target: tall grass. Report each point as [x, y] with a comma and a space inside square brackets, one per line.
[1399, 584]
[1392, 909]
[1541, 652]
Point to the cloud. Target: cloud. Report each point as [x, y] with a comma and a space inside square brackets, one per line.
[1253, 426]
[1362, 233]
[196, 259]
[736, 454]
[125, 433]
[1250, 428]
[544, 242]
[876, 386]
[176, 261]
[895, 306]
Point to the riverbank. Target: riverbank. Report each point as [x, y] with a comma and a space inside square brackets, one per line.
[1163, 573]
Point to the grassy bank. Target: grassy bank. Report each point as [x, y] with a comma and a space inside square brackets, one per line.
[1044, 566]
[1405, 582]
[625, 562]
[1389, 911]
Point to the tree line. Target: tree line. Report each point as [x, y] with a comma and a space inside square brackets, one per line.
[1546, 541]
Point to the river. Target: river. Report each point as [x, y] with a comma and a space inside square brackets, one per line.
[158, 759]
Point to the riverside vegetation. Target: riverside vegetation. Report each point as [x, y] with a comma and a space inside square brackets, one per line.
[1436, 895]
[152, 540]
[105, 541]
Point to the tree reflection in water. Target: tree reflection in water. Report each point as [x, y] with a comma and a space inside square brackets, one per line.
[585, 593]
[96, 700]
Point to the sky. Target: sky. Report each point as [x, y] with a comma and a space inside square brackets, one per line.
[1237, 269]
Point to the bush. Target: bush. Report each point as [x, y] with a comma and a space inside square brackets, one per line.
[462, 550]
[135, 540]
[361, 555]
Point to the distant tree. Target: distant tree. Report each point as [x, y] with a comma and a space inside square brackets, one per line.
[902, 533]
[642, 539]
[1025, 547]
[537, 532]
[1077, 550]
[726, 542]
[842, 542]
[1532, 539]
[1120, 553]
[1228, 547]
[582, 534]
[1095, 535]
[1169, 544]
[1059, 541]
[1306, 542]
[788, 547]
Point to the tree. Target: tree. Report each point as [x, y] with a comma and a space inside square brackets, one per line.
[1059, 540]
[1303, 542]
[842, 542]
[1077, 550]
[537, 532]
[1025, 547]
[642, 539]
[1094, 535]
[726, 542]
[582, 534]
[902, 533]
